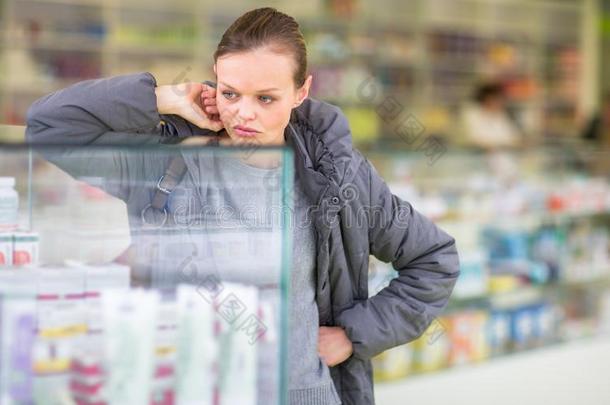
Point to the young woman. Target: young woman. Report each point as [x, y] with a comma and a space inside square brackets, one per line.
[262, 98]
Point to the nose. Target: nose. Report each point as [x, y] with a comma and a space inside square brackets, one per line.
[246, 111]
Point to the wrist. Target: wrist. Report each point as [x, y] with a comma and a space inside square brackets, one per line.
[165, 103]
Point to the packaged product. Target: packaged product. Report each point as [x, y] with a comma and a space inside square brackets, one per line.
[61, 328]
[394, 363]
[545, 323]
[129, 324]
[197, 348]
[25, 248]
[6, 249]
[499, 332]
[239, 332]
[431, 349]
[9, 204]
[468, 335]
[165, 353]
[17, 332]
[269, 346]
[522, 327]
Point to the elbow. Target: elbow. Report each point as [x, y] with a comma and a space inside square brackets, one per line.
[32, 125]
[449, 258]
[34, 122]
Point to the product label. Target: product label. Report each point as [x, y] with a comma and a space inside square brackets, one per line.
[9, 208]
[6, 250]
[25, 249]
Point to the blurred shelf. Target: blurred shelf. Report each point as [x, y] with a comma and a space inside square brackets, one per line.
[441, 76]
[88, 3]
[37, 88]
[151, 49]
[68, 43]
[118, 5]
[527, 294]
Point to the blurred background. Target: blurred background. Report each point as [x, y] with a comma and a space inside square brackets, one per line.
[492, 117]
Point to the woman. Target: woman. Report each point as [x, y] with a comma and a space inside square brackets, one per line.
[262, 98]
[486, 122]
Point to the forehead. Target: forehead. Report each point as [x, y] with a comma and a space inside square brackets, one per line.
[255, 70]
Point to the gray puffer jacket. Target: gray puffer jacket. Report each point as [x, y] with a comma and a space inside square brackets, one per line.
[356, 214]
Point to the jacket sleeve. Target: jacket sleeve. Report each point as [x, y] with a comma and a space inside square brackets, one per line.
[428, 267]
[106, 111]
[113, 111]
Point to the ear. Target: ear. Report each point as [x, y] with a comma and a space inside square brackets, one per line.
[303, 91]
[214, 67]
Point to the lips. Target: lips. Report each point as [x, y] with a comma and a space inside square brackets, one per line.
[245, 131]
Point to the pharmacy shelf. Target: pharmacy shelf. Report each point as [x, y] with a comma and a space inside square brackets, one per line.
[528, 293]
[440, 77]
[569, 373]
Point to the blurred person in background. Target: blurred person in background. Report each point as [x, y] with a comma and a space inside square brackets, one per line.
[598, 127]
[486, 123]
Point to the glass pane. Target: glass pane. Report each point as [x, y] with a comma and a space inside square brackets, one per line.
[144, 275]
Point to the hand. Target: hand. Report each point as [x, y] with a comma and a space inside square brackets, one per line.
[186, 100]
[333, 345]
[208, 100]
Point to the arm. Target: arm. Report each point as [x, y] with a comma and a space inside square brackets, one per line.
[107, 111]
[427, 262]
[119, 110]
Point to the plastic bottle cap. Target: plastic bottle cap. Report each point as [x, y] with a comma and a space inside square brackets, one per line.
[7, 182]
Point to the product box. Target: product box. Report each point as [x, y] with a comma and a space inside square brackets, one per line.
[98, 278]
[61, 328]
[17, 332]
[523, 327]
[473, 280]
[431, 349]
[545, 323]
[6, 250]
[499, 332]
[165, 353]
[269, 349]
[394, 363]
[468, 336]
[26, 248]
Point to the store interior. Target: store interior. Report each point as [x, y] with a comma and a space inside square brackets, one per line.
[491, 117]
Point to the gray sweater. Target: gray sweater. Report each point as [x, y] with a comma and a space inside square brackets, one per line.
[309, 381]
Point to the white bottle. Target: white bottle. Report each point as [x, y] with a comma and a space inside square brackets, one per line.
[9, 204]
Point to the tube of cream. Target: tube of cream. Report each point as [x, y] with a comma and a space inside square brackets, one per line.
[197, 348]
[237, 306]
[130, 319]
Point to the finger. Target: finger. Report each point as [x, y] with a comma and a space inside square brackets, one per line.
[201, 119]
[209, 101]
[208, 90]
[211, 110]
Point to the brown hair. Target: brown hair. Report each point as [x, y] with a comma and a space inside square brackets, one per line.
[266, 27]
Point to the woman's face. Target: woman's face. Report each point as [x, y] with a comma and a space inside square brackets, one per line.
[256, 93]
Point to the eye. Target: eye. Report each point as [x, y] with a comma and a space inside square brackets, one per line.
[266, 99]
[229, 95]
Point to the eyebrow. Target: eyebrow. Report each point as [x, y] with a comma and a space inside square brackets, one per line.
[259, 91]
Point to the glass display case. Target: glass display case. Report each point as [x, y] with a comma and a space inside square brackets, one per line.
[144, 275]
